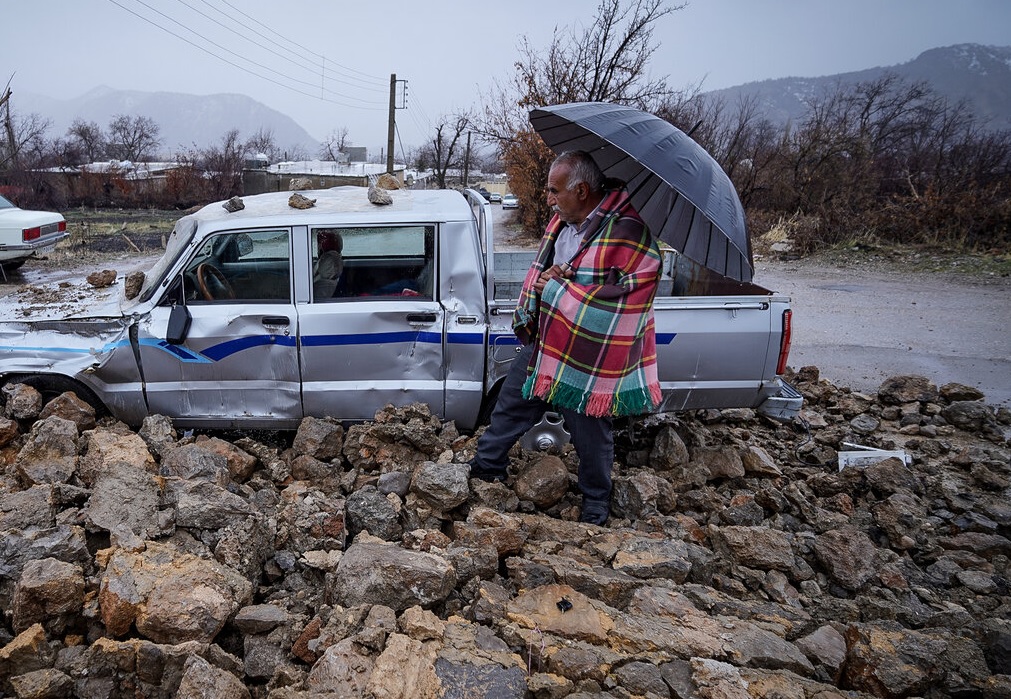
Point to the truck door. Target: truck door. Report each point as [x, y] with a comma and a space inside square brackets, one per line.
[238, 365]
[376, 336]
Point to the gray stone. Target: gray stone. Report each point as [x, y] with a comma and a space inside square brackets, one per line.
[320, 438]
[190, 462]
[369, 510]
[49, 592]
[21, 402]
[443, 486]
[200, 679]
[125, 499]
[848, 555]
[897, 390]
[69, 407]
[381, 573]
[543, 483]
[755, 547]
[260, 618]
[50, 452]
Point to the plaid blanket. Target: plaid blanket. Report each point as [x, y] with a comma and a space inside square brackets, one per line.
[596, 345]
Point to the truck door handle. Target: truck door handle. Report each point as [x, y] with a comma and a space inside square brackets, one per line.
[420, 317]
[276, 320]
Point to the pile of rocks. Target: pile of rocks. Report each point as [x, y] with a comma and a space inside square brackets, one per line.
[739, 561]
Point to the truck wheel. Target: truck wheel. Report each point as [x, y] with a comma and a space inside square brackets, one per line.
[52, 385]
[12, 265]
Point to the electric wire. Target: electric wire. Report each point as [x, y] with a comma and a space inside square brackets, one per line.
[236, 65]
[378, 80]
[266, 47]
[303, 54]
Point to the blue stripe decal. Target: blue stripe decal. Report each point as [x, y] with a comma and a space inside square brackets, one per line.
[69, 350]
[218, 352]
[183, 354]
[465, 338]
[665, 338]
[371, 338]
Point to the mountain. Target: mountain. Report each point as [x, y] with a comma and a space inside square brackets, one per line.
[979, 74]
[184, 120]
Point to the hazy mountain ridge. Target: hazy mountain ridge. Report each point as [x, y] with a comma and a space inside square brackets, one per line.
[979, 74]
[184, 120]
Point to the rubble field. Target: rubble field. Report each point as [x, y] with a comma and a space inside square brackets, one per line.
[361, 561]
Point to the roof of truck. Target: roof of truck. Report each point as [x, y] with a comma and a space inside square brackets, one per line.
[350, 202]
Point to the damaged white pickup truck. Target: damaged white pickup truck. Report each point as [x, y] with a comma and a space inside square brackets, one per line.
[259, 317]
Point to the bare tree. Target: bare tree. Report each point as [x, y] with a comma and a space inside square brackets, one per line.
[336, 142]
[88, 139]
[442, 153]
[263, 142]
[223, 165]
[133, 138]
[606, 61]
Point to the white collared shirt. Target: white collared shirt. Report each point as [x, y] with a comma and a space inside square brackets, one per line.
[569, 238]
[567, 242]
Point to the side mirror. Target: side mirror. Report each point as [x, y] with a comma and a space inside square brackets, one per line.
[178, 324]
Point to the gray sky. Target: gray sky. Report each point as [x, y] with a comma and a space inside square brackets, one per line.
[327, 63]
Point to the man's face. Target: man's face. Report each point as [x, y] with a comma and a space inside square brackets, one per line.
[567, 203]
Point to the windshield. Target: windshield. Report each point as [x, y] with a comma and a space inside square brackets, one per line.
[179, 239]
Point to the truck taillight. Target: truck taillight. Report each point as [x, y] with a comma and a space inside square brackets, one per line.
[61, 227]
[784, 343]
[31, 234]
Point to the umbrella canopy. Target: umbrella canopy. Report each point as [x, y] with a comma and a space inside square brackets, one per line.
[681, 192]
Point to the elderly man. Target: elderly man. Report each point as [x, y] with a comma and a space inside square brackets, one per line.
[585, 318]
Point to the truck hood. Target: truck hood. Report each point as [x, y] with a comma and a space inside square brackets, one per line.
[66, 300]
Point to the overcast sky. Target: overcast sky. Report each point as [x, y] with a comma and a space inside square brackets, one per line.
[327, 63]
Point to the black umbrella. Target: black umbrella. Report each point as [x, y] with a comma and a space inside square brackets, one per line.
[681, 192]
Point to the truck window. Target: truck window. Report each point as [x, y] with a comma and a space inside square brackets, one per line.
[241, 266]
[376, 262]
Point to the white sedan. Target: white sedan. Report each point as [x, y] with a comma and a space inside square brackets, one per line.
[25, 234]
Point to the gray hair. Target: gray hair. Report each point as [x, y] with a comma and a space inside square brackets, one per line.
[582, 168]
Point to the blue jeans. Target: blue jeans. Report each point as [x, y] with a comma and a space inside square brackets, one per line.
[514, 415]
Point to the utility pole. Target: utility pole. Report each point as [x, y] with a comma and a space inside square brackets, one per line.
[393, 121]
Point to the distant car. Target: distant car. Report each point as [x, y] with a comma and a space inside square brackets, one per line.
[25, 234]
[484, 193]
[509, 201]
[496, 198]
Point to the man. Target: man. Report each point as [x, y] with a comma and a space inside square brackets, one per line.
[585, 318]
[329, 265]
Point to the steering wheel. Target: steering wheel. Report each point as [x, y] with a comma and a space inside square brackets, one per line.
[212, 283]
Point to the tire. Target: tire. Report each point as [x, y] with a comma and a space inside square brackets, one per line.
[52, 385]
[11, 265]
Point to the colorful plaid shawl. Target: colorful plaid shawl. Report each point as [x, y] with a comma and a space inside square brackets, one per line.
[596, 345]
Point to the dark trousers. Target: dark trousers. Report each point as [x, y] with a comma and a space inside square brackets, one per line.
[592, 437]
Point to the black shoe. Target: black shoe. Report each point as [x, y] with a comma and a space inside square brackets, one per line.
[489, 475]
[593, 516]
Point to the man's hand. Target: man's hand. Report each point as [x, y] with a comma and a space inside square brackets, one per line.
[562, 271]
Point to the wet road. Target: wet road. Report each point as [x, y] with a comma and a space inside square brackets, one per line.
[861, 327]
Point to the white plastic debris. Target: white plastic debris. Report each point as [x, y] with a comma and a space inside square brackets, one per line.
[862, 456]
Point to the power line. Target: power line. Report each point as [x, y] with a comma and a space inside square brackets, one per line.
[236, 65]
[377, 80]
[303, 54]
